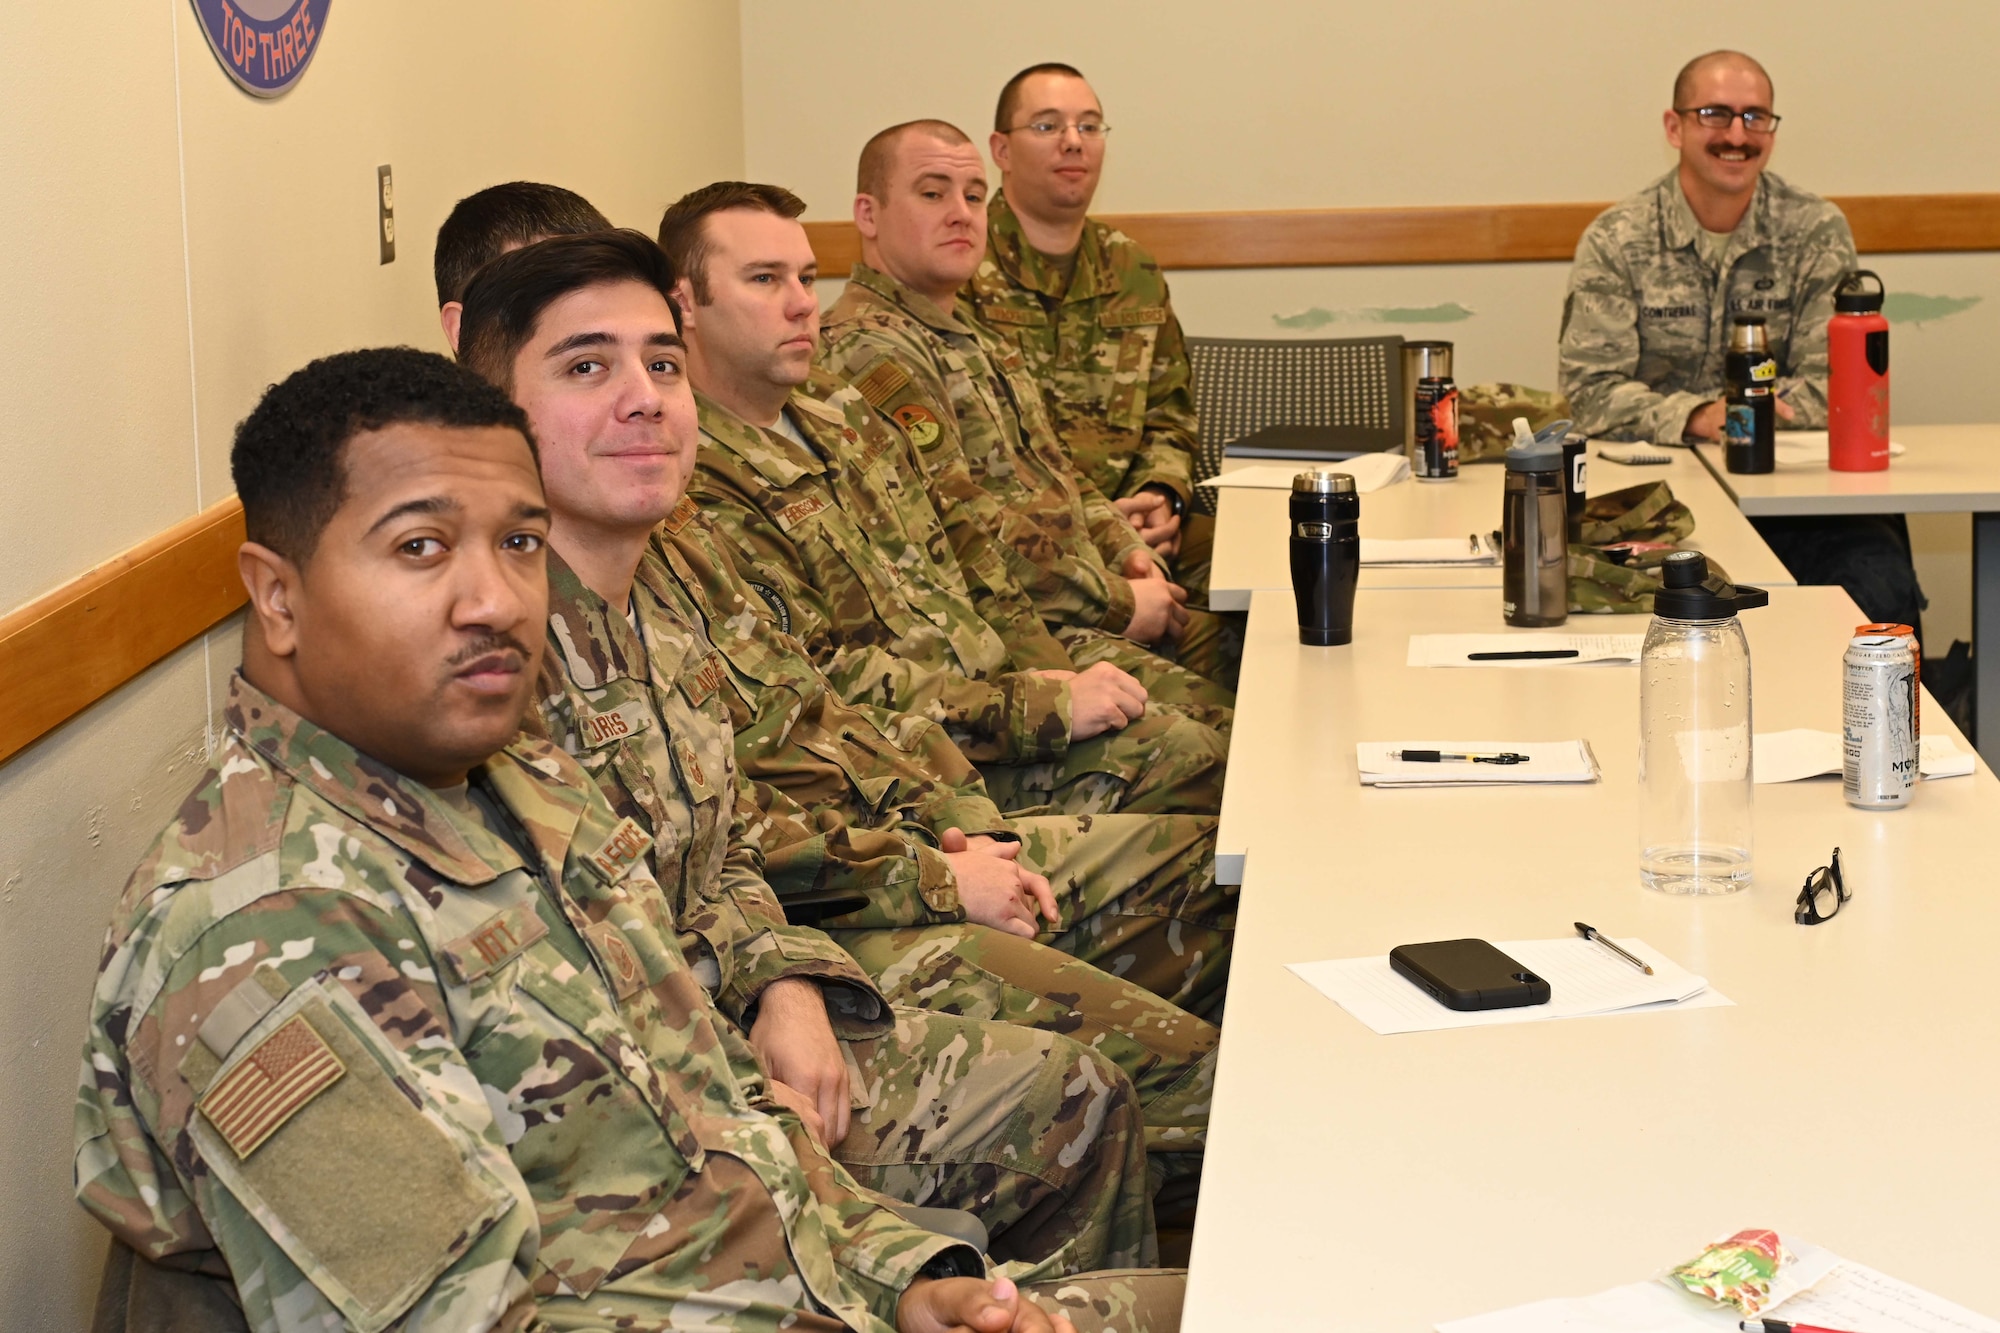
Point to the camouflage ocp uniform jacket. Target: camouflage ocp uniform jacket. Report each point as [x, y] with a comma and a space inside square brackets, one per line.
[392, 1060]
[871, 784]
[993, 461]
[859, 559]
[652, 731]
[1103, 344]
[1646, 321]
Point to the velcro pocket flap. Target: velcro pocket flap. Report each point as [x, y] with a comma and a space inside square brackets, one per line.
[329, 1140]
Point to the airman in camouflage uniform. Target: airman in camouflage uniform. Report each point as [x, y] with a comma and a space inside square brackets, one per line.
[1137, 892]
[950, 1112]
[1103, 343]
[845, 536]
[1646, 320]
[994, 463]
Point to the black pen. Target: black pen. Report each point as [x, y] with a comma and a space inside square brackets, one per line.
[1533, 655]
[1596, 936]
[1448, 757]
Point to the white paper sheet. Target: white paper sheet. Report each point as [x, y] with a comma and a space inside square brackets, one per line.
[1449, 650]
[1809, 448]
[1371, 472]
[1849, 1296]
[1548, 761]
[1475, 548]
[1584, 979]
[1788, 756]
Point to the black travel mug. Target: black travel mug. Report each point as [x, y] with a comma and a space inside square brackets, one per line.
[1326, 555]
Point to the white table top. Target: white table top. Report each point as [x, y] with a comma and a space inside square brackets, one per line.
[1946, 470]
[1251, 551]
[1356, 1181]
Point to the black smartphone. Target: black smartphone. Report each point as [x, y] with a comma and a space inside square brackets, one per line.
[1468, 974]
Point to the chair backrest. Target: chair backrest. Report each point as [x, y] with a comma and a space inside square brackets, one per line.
[1348, 390]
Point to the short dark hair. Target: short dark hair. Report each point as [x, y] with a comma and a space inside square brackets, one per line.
[498, 218]
[685, 239]
[1010, 92]
[507, 297]
[871, 176]
[289, 456]
[1683, 81]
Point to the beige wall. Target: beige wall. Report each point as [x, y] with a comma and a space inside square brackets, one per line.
[133, 344]
[1296, 104]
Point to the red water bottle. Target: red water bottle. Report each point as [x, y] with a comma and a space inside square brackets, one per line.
[1857, 387]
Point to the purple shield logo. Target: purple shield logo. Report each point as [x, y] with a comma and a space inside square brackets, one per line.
[264, 44]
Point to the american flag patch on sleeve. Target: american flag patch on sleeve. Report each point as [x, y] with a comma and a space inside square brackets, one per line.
[270, 1085]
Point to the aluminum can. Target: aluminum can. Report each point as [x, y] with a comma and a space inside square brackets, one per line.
[1909, 636]
[1878, 744]
[1436, 410]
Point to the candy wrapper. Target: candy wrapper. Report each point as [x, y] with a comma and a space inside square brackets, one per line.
[1747, 1270]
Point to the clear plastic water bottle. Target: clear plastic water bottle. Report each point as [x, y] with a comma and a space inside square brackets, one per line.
[1694, 733]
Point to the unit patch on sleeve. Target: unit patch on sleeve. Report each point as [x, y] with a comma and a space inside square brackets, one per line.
[270, 1085]
[918, 423]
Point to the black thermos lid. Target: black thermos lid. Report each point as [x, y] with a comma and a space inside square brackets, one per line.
[1850, 299]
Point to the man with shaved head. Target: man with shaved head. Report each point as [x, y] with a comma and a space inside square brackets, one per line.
[1658, 279]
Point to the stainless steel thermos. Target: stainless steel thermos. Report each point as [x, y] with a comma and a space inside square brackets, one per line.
[1750, 419]
[1326, 555]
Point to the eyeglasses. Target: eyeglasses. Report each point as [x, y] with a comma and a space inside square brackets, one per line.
[1090, 131]
[1719, 118]
[1823, 894]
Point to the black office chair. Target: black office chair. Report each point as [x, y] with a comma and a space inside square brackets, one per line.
[1298, 398]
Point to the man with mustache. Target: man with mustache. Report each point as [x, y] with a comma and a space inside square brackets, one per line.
[391, 1026]
[1657, 280]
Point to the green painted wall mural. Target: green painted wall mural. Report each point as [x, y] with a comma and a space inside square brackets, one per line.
[1910, 308]
[1318, 317]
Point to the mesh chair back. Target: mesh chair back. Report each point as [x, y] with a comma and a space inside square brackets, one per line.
[1348, 389]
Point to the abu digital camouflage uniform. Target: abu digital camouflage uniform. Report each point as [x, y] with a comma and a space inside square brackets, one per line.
[841, 535]
[398, 1063]
[1137, 892]
[949, 1112]
[1103, 344]
[1646, 321]
[994, 464]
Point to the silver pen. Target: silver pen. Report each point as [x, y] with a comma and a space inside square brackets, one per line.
[1596, 936]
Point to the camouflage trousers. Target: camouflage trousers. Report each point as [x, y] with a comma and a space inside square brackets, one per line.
[978, 972]
[1486, 415]
[1138, 899]
[1032, 1132]
[1165, 763]
[1143, 1301]
[1170, 686]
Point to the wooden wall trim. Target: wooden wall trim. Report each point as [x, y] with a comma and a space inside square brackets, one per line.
[1510, 233]
[63, 652]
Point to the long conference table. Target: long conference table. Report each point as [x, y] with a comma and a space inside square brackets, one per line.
[1944, 470]
[1848, 1097]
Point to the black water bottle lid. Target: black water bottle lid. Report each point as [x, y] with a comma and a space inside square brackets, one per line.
[1749, 319]
[1850, 299]
[1692, 594]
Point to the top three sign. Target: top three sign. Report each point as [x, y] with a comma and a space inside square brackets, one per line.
[264, 44]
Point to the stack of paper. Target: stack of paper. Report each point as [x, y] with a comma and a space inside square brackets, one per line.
[1840, 1294]
[1809, 448]
[1787, 756]
[1584, 979]
[1371, 472]
[1548, 761]
[1422, 552]
[1456, 650]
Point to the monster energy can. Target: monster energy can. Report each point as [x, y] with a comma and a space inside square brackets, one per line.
[1877, 714]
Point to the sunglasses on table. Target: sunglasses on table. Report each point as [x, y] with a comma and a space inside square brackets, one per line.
[1824, 894]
